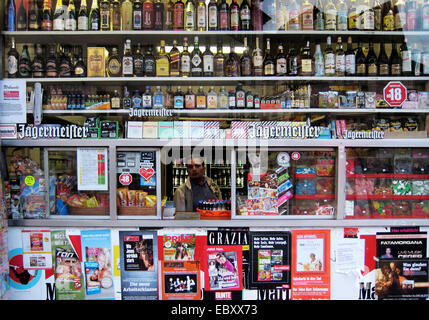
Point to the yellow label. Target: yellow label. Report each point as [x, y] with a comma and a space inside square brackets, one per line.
[29, 181]
[162, 67]
[96, 62]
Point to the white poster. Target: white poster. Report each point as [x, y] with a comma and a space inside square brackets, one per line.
[37, 249]
[92, 168]
[13, 101]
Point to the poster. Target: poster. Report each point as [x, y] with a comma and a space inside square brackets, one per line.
[98, 264]
[139, 259]
[179, 280]
[92, 169]
[402, 279]
[394, 245]
[67, 268]
[37, 251]
[270, 259]
[311, 267]
[13, 101]
[178, 247]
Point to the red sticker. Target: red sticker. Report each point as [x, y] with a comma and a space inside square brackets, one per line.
[147, 173]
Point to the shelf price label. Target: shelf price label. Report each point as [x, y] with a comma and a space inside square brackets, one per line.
[125, 179]
[395, 93]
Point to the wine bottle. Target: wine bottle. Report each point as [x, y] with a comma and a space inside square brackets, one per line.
[65, 67]
[212, 11]
[257, 18]
[189, 16]
[12, 60]
[245, 16]
[361, 67]
[21, 17]
[58, 20]
[395, 61]
[34, 18]
[11, 19]
[82, 19]
[223, 13]
[371, 61]
[70, 23]
[234, 16]
[201, 19]
[383, 62]
[94, 17]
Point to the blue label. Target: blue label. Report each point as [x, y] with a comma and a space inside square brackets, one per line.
[158, 100]
[137, 102]
[178, 102]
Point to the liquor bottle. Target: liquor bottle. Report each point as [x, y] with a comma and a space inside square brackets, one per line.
[257, 18]
[201, 99]
[34, 18]
[138, 62]
[269, 63]
[371, 61]
[319, 17]
[340, 59]
[148, 15]
[294, 20]
[240, 97]
[246, 61]
[406, 67]
[70, 20]
[38, 63]
[416, 60]
[11, 21]
[319, 63]
[329, 57]
[245, 16]
[115, 15]
[150, 65]
[257, 60]
[147, 99]
[82, 19]
[94, 17]
[174, 60]
[47, 16]
[307, 21]
[249, 100]
[65, 68]
[136, 100]
[383, 62]
[21, 17]
[189, 15]
[126, 99]
[292, 61]
[169, 15]
[208, 60]
[305, 61]
[127, 15]
[51, 63]
[115, 100]
[342, 14]
[425, 16]
[212, 99]
[378, 18]
[330, 16]
[137, 15]
[158, 23]
[114, 65]
[223, 98]
[196, 60]
[179, 98]
[234, 17]
[411, 15]
[223, 14]
[58, 20]
[127, 60]
[232, 64]
[388, 17]
[395, 61]
[179, 15]
[80, 69]
[400, 15]
[361, 67]
[350, 58]
[169, 98]
[231, 99]
[12, 60]
[219, 62]
[201, 19]
[185, 60]
[105, 15]
[162, 62]
[368, 17]
[212, 12]
[158, 98]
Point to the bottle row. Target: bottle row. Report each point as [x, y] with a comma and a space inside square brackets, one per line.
[409, 60]
[197, 15]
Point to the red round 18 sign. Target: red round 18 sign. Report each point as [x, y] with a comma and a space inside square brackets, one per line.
[395, 93]
[125, 179]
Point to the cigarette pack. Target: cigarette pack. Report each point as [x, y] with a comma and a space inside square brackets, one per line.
[150, 130]
[109, 129]
[96, 61]
[134, 129]
[166, 129]
[197, 130]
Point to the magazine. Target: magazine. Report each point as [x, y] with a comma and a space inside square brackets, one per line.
[178, 247]
[179, 280]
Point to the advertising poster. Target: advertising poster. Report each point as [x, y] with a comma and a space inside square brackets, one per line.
[311, 267]
[98, 264]
[179, 280]
[178, 247]
[139, 259]
[67, 268]
[402, 279]
[394, 245]
[37, 249]
[270, 259]
[92, 169]
[13, 102]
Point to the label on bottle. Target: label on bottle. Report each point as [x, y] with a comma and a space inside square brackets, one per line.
[213, 17]
[105, 19]
[235, 19]
[212, 101]
[114, 67]
[174, 63]
[196, 63]
[201, 17]
[185, 65]
[127, 103]
[12, 65]
[148, 16]
[377, 19]
[51, 69]
[350, 64]
[293, 66]
[231, 101]
[425, 62]
[400, 20]
[342, 20]
[59, 24]
[330, 20]
[82, 23]
[388, 23]
[116, 20]
[245, 14]
[137, 102]
[201, 102]
[178, 102]
[406, 61]
[147, 101]
[189, 101]
[319, 67]
[70, 25]
[411, 19]
[425, 22]
[307, 66]
[178, 17]
[353, 17]
[149, 67]
[294, 20]
[137, 19]
[249, 101]
[208, 63]
[417, 58]
[127, 65]
[115, 103]
[162, 67]
[384, 69]
[307, 17]
[396, 69]
[241, 99]
[281, 66]
[258, 61]
[329, 63]
[78, 71]
[138, 66]
[189, 20]
[340, 63]
[372, 69]
[223, 20]
[361, 69]
[223, 101]
[368, 20]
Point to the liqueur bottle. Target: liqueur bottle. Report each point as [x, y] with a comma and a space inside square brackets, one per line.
[148, 15]
[137, 15]
[257, 60]
[80, 69]
[208, 62]
[105, 15]
[232, 64]
[201, 99]
[126, 99]
[353, 20]
[240, 97]
[147, 102]
[179, 12]
[350, 58]
[307, 11]
[12, 60]
[115, 15]
[340, 59]
[246, 61]
[169, 15]
[174, 60]
[306, 62]
[127, 15]
[292, 61]
[269, 64]
[212, 99]
[114, 64]
[179, 98]
[190, 101]
[185, 60]
[329, 57]
[159, 15]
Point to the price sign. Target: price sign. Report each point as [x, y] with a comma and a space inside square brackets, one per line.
[125, 179]
[395, 93]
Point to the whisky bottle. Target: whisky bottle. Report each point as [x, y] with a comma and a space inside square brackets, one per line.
[306, 62]
[361, 67]
[340, 59]
[258, 60]
[232, 64]
[147, 99]
[114, 64]
[127, 15]
[169, 15]
[269, 64]
[350, 58]
[162, 62]
[219, 62]
[189, 16]
[330, 16]
[179, 15]
[307, 16]
[196, 60]
[149, 63]
[281, 62]
[174, 60]
[159, 15]
[371, 61]
[38, 64]
[201, 19]
[137, 15]
[138, 62]
[82, 19]
[212, 99]
[11, 19]
[240, 97]
[51, 63]
[201, 99]
[342, 14]
[383, 62]
[21, 17]
[329, 57]
[395, 61]
[246, 61]
[208, 62]
[179, 98]
[105, 15]
[223, 98]
[234, 16]
[245, 16]
[24, 67]
[115, 15]
[169, 98]
[158, 98]
[406, 66]
[212, 12]
[58, 20]
[185, 60]
[223, 13]
[94, 17]
[190, 99]
[148, 15]
[292, 61]
[34, 18]
[70, 20]
[127, 60]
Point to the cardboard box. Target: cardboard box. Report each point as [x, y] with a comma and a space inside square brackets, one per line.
[166, 129]
[96, 63]
[134, 129]
[150, 130]
[109, 129]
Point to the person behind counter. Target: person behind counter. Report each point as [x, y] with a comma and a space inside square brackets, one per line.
[196, 187]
